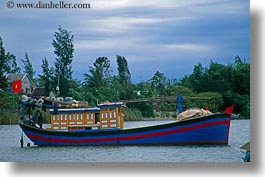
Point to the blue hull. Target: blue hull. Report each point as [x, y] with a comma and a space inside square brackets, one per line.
[213, 129]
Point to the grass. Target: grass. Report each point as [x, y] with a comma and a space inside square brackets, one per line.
[8, 108]
[8, 117]
[9, 113]
[132, 115]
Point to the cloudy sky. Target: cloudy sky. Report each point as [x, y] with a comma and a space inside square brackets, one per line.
[170, 36]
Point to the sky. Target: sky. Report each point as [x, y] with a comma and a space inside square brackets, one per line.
[169, 36]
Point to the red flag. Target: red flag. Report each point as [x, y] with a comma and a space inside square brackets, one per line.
[229, 110]
[17, 86]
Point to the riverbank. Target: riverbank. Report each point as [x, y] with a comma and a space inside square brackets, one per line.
[11, 118]
[8, 117]
[158, 119]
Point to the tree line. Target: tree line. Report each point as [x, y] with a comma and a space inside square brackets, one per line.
[223, 84]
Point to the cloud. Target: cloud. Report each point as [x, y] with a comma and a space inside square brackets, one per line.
[108, 44]
[196, 6]
[160, 34]
[189, 47]
[121, 4]
[118, 26]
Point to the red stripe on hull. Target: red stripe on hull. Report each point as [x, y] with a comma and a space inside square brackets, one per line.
[173, 131]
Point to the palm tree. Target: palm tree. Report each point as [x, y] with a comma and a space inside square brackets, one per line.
[95, 79]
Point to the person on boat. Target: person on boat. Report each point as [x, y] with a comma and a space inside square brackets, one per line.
[26, 120]
[40, 120]
[35, 116]
[28, 111]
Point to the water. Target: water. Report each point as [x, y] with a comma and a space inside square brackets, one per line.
[11, 152]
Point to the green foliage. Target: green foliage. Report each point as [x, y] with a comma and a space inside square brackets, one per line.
[46, 79]
[9, 108]
[63, 49]
[174, 90]
[3, 79]
[124, 74]
[107, 94]
[99, 86]
[241, 102]
[75, 90]
[198, 78]
[132, 114]
[147, 109]
[174, 115]
[103, 65]
[124, 78]
[241, 77]
[28, 68]
[167, 114]
[231, 81]
[8, 65]
[158, 83]
[89, 97]
[143, 90]
[214, 103]
[76, 95]
[95, 79]
[12, 66]
[99, 75]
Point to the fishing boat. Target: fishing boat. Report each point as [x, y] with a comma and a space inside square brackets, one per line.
[104, 125]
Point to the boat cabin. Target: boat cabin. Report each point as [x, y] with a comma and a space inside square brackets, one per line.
[74, 119]
[111, 115]
[105, 116]
[63, 117]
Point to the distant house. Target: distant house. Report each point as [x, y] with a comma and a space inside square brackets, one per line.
[27, 85]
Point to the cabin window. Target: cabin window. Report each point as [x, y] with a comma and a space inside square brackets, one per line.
[73, 116]
[97, 119]
[114, 114]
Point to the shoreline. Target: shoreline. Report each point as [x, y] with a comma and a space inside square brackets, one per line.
[14, 122]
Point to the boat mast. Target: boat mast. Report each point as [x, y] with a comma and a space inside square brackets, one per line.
[58, 79]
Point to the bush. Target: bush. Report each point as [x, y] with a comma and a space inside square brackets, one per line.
[174, 115]
[9, 113]
[132, 115]
[167, 114]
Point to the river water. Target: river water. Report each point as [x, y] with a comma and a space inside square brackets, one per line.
[10, 150]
